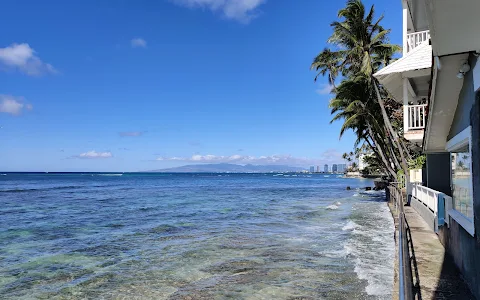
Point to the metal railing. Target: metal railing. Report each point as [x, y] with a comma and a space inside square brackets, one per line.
[417, 38]
[416, 116]
[405, 291]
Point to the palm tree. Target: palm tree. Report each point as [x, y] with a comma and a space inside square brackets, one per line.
[363, 48]
[354, 104]
[345, 156]
[327, 62]
[354, 166]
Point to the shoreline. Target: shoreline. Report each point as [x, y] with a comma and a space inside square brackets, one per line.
[392, 209]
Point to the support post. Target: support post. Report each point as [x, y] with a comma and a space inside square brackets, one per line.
[405, 24]
[405, 105]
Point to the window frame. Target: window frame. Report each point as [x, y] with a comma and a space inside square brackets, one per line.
[457, 142]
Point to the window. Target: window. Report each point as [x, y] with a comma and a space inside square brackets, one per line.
[461, 179]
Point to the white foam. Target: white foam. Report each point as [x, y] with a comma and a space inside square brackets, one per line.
[338, 203]
[356, 195]
[107, 174]
[373, 249]
[332, 207]
[350, 226]
[341, 253]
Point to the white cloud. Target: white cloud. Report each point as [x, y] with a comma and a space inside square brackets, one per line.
[13, 105]
[131, 133]
[324, 89]
[329, 156]
[22, 57]
[94, 154]
[138, 43]
[240, 10]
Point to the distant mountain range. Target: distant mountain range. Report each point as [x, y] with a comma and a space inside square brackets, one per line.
[229, 168]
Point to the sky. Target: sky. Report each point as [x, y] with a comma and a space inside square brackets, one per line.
[98, 85]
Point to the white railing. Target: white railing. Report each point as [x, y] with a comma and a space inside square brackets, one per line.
[427, 196]
[416, 38]
[439, 203]
[416, 116]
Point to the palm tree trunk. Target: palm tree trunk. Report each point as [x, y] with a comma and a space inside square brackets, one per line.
[379, 153]
[392, 152]
[405, 148]
[379, 150]
[392, 132]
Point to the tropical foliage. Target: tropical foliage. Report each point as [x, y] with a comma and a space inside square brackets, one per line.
[358, 47]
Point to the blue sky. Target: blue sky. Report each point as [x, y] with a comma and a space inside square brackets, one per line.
[139, 85]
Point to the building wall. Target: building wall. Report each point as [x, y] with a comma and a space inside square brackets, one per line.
[438, 172]
[465, 103]
[419, 15]
[464, 248]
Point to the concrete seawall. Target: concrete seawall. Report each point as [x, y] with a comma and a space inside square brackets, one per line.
[434, 273]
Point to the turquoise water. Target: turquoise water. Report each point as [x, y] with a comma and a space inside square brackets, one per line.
[193, 236]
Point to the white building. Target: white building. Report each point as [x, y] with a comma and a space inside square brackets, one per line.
[438, 81]
[361, 161]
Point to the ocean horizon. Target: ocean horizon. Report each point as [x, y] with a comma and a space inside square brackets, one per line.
[111, 235]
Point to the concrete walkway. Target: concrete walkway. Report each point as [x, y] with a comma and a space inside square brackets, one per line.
[433, 269]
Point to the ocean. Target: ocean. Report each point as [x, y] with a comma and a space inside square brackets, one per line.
[193, 236]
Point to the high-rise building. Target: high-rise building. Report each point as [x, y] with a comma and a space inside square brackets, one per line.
[318, 169]
[325, 168]
[334, 168]
[312, 169]
[341, 168]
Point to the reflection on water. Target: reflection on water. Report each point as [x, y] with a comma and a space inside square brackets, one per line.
[193, 237]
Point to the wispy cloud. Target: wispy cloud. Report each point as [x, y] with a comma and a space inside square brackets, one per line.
[94, 154]
[138, 43]
[239, 10]
[329, 156]
[131, 133]
[23, 58]
[13, 105]
[324, 89]
[195, 143]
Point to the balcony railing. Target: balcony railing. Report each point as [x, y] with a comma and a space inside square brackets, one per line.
[416, 38]
[427, 196]
[416, 117]
[439, 203]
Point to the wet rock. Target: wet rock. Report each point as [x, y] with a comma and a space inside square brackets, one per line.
[233, 267]
[348, 188]
[380, 185]
[368, 188]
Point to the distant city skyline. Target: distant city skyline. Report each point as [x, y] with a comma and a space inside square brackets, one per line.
[336, 168]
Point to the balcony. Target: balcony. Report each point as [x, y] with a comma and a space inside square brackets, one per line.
[414, 119]
[415, 39]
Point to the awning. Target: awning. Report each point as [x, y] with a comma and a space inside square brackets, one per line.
[416, 63]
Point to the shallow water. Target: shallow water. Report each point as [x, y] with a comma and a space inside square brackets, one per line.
[203, 236]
